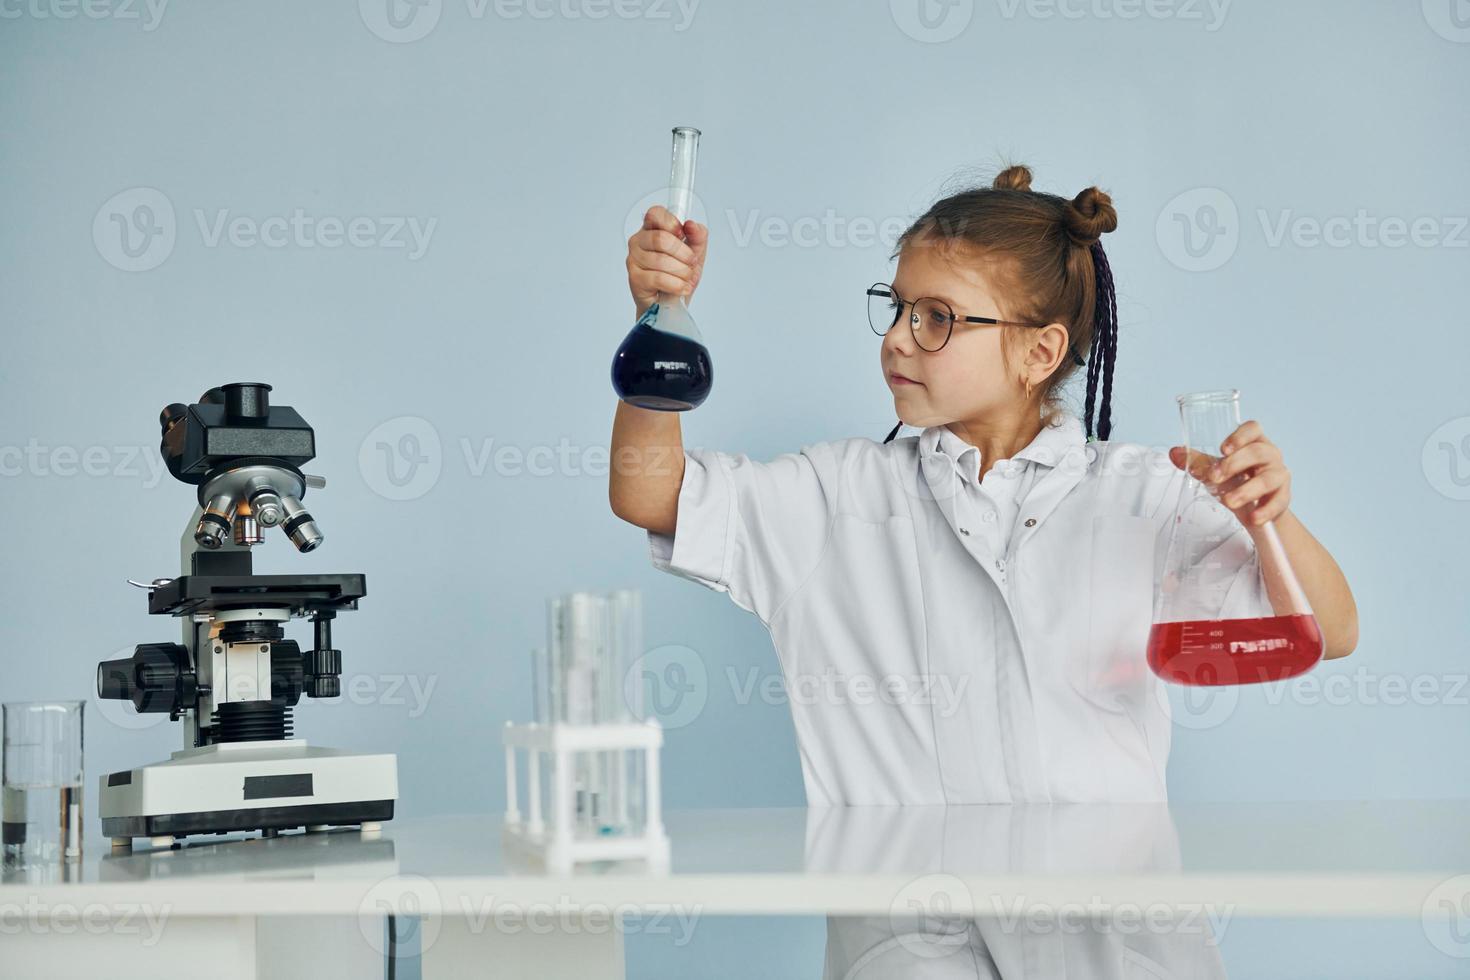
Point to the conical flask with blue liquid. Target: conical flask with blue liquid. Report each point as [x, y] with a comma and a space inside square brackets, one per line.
[663, 364]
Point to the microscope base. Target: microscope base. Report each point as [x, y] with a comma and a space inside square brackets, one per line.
[246, 786]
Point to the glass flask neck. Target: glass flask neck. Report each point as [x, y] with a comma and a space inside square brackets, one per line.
[681, 174]
[681, 189]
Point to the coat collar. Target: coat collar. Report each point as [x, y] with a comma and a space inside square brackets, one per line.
[1049, 447]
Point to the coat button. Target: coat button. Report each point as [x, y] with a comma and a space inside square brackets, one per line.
[1030, 522]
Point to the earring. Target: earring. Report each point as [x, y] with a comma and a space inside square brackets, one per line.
[1028, 389]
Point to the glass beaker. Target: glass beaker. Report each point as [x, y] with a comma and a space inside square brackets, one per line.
[663, 364]
[41, 790]
[1193, 641]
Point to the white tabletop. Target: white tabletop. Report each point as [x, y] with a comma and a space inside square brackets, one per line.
[1382, 858]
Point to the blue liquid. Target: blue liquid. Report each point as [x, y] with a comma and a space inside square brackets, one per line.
[662, 371]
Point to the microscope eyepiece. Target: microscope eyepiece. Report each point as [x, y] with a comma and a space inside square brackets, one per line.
[247, 401]
[171, 413]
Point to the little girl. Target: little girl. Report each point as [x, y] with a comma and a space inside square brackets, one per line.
[972, 604]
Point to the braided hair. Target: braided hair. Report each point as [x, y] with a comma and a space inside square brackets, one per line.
[1104, 353]
[1057, 270]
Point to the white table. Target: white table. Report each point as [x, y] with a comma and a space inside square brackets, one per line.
[315, 905]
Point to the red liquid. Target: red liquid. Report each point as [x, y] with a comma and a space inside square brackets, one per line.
[1214, 652]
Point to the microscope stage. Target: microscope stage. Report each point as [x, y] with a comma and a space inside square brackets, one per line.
[304, 593]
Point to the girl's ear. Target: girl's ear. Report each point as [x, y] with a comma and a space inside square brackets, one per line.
[1048, 348]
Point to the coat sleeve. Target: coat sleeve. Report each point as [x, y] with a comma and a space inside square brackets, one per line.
[754, 530]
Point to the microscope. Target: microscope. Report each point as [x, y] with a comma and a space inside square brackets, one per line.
[235, 677]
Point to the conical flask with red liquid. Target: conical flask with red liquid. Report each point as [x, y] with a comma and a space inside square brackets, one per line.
[1229, 608]
[663, 364]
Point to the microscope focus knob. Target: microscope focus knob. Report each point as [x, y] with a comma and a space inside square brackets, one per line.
[156, 678]
[322, 670]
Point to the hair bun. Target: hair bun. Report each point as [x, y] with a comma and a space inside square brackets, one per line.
[1017, 178]
[1090, 215]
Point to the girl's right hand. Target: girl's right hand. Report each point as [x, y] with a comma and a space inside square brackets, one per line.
[665, 257]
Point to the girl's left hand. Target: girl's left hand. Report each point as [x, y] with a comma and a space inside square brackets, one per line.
[1250, 478]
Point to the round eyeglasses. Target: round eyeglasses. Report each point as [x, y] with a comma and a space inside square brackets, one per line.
[931, 320]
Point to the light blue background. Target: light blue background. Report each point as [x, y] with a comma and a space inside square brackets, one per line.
[530, 142]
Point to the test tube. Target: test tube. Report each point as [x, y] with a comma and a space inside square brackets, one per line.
[582, 678]
[582, 615]
[573, 624]
[621, 700]
[41, 789]
[556, 705]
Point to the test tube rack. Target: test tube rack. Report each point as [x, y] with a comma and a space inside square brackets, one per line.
[550, 832]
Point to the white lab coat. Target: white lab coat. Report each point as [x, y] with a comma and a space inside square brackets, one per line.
[948, 641]
[1025, 840]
